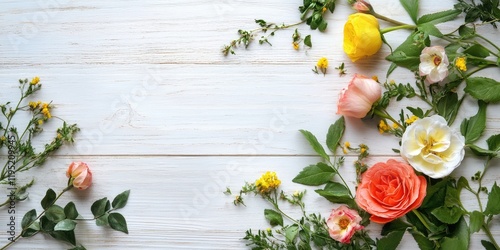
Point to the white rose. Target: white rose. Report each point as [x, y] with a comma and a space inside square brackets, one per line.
[432, 147]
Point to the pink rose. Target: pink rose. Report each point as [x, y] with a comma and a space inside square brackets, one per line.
[79, 174]
[390, 190]
[357, 99]
[343, 223]
[433, 64]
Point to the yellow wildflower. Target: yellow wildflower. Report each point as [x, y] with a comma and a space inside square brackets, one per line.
[34, 105]
[46, 113]
[296, 45]
[323, 10]
[322, 63]
[363, 148]
[346, 147]
[35, 80]
[40, 122]
[3, 138]
[267, 182]
[392, 82]
[395, 125]
[410, 120]
[375, 78]
[461, 63]
[383, 127]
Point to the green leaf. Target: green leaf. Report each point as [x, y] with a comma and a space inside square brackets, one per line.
[411, 6]
[28, 218]
[483, 88]
[462, 183]
[307, 41]
[117, 222]
[438, 17]
[335, 133]
[291, 232]
[488, 245]
[448, 215]
[336, 193]
[55, 213]
[476, 221]
[391, 241]
[448, 105]
[315, 144]
[315, 175]
[273, 217]
[395, 225]
[67, 236]
[48, 200]
[102, 220]
[98, 208]
[459, 239]
[70, 211]
[423, 241]
[466, 32]
[78, 248]
[120, 200]
[493, 205]
[430, 29]
[472, 128]
[494, 142]
[408, 53]
[482, 152]
[31, 230]
[477, 50]
[436, 195]
[65, 225]
[46, 225]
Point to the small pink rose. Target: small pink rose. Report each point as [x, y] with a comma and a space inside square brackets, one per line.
[79, 174]
[362, 6]
[357, 99]
[433, 64]
[343, 223]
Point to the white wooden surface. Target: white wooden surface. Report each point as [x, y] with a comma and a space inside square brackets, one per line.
[164, 114]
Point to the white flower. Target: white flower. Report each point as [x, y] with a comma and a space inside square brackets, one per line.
[433, 64]
[431, 147]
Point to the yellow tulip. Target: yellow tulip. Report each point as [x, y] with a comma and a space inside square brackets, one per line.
[361, 36]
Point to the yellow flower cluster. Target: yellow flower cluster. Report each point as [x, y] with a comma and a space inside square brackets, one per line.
[322, 63]
[411, 120]
[295, 45]
[461, 63]
[43, 106]
[35, 80]
[383, 127]
[267, 182]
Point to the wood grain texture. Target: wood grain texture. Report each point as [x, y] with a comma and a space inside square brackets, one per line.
[164, 114]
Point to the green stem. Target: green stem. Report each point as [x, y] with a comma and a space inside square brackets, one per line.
[406, 26]
[421, 218]
[479, 69]
[37, 218]
[490, 236]
[381, 17]
[488, 41]
[384, 114]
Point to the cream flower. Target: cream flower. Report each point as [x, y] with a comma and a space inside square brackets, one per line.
[433, 64]
[431, 147]
[343, 223]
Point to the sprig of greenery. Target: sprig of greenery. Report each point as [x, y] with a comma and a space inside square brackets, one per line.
[60, 223]
[487, 11]
[19, 143]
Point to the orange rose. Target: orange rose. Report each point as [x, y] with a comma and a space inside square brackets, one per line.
[390, 190]
[79, 175]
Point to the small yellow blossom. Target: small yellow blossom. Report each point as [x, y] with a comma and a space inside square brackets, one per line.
[268, 230]
[46, 113]
[395, 125]
[267, 182]
[375, 78]
[392, 82]
[410, 120]
[35, 80]
[296, 193]
[295, 45]
[34, 105]
[40, 122]
[59, 136]
[3, 138]
[323, 10]
[383, 127]
[363, 148]
[346, 147]
[322, 63]
[461, 63]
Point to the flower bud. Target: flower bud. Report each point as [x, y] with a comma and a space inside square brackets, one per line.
[79, 174]
[363, 6]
